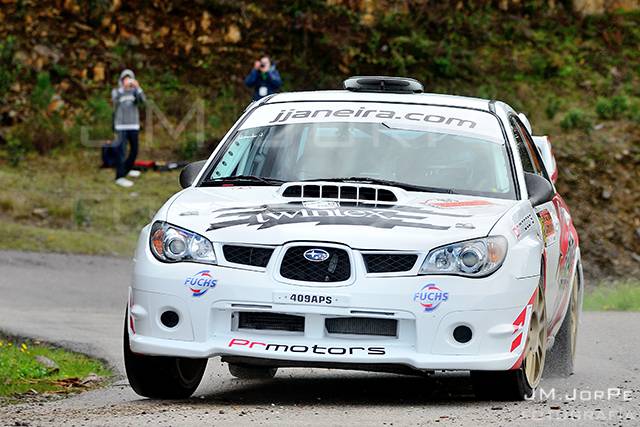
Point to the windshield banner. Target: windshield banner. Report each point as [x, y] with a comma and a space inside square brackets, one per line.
[478, 124]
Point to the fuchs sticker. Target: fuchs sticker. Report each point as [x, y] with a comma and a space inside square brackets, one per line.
[430, 297]
[200, 283]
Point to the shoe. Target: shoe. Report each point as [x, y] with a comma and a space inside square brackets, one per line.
[124, 182]
[133, 173]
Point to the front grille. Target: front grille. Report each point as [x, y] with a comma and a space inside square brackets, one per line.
[336, 268]
[389, 263]
[362, 326]
[270, 321]
[248, 255]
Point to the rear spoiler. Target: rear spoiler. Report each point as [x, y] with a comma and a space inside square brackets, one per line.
[543, 143]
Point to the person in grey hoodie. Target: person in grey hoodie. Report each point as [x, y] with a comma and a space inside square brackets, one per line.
[126, 122]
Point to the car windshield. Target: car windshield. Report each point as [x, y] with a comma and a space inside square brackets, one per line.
[455, 162]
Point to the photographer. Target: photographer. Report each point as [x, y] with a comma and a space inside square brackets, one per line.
[264, 78]
[126, 98]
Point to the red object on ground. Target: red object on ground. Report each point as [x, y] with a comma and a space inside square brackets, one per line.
[144, 164]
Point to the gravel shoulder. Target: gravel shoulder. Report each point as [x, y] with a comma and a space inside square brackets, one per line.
[78, 302]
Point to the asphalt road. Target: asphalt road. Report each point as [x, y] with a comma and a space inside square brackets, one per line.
[78, 301]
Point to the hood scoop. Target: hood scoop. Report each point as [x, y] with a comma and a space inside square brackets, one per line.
[341, 192]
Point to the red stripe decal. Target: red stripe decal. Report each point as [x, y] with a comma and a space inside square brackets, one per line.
[516, 342]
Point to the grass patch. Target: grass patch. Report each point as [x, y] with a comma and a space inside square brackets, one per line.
[621, 296]
[21, 372]
[66, 204]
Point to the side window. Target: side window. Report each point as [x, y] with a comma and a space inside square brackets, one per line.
[527, 164]
[534, 154]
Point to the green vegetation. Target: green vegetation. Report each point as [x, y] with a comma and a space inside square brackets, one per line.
[8, 69]
[62, 205]
[612, 108]
[63, 372]
[577, 119]
[618, 296]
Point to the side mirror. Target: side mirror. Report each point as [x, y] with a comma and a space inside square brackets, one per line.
[190, 172]
[540, 190]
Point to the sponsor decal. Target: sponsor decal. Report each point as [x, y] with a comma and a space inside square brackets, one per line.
[364, 113]
[522, 225]
[430, 297]
[315, 349]
[320, 204]
[200, 283]
[546, 223]
[453, 203]
[316, 255]
[267, 216]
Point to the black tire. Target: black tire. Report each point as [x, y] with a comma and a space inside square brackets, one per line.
[160, 377]
[561, 357]
[500, 385]
[251, 372]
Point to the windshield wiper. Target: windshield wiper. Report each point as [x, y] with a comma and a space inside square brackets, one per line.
[379, 181]
[252, 179]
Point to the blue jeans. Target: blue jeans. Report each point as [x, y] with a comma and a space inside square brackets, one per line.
[124, 162]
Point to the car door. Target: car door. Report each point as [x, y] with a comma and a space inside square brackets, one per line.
[547, 216]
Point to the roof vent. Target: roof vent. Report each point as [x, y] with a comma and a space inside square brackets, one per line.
[383, 84]
[340, 192]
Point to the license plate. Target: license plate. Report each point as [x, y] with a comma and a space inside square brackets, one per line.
[306, 298]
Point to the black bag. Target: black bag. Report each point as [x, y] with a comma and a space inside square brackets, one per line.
[110, 154]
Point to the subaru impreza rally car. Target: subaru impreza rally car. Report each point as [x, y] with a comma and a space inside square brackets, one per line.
[374, 228]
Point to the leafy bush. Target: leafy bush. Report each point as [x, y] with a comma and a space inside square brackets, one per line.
[8, 70]
[41, 133]
[190, 148]
[612, 108]
[81, 214]
[576, 119]
[42, 92]
[224, 111]
[100, 117]
[634, 112]
[16, 150]
[552, 108]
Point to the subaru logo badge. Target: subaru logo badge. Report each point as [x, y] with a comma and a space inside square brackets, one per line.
[316, 255]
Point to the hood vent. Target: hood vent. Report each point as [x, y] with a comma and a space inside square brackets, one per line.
[340, 192]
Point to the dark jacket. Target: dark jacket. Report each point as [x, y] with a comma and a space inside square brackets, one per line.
[263, 84]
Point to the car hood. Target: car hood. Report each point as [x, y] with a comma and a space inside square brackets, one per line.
[261, 215]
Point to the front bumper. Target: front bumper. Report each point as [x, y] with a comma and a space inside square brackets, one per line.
[208, 323]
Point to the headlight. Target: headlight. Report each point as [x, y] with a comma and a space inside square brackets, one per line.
[174, 244]
[473, 258]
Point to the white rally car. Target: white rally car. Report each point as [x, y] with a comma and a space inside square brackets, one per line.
[374, 228]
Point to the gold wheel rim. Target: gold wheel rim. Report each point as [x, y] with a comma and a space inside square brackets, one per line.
[536, 341]
[574, 315]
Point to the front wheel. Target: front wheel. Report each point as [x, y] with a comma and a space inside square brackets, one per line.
[562, 355]
[161, 377]
[519, 384]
